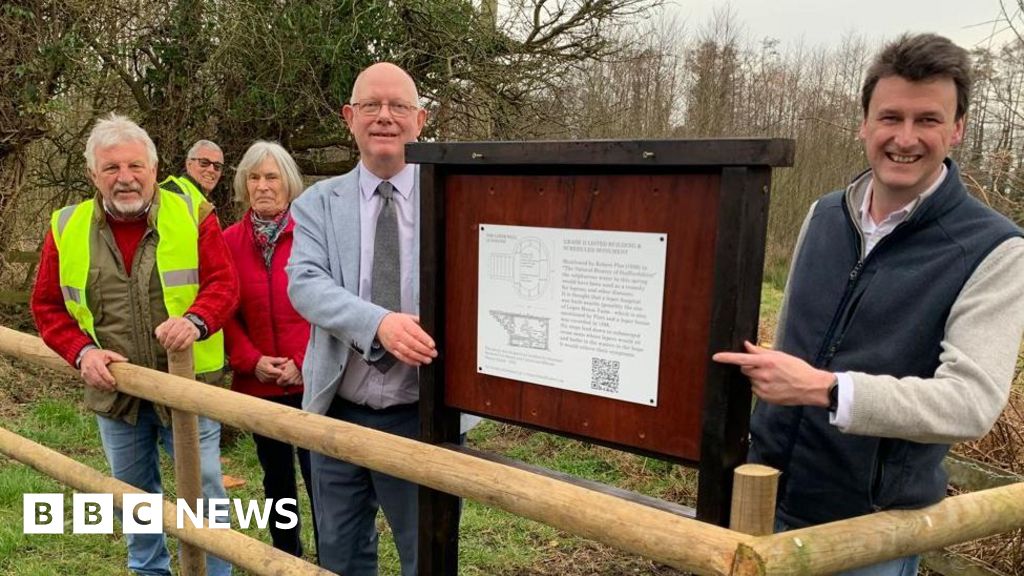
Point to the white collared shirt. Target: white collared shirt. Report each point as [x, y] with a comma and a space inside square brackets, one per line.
[873, 232]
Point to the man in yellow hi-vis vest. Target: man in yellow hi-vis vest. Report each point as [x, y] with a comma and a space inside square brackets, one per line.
[204, 165]
[203, 168]
[126, 276]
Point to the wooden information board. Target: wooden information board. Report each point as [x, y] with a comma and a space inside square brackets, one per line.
[710, 199]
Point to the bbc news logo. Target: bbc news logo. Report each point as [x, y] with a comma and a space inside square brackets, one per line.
[144, 513]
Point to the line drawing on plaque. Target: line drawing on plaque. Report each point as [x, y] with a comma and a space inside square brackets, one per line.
[524, 331]
[528, 267]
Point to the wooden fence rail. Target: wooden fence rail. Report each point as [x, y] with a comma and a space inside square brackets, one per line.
[970, 475]
[865, 540]
[237, 548]
[683, 543]
[679, 542]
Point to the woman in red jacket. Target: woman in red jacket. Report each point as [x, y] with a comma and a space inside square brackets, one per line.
[266, 339]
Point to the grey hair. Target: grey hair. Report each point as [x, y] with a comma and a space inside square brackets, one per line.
[113, 130]
[199, 145]
[255, 155]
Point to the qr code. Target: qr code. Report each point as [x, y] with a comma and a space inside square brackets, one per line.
[604, 375]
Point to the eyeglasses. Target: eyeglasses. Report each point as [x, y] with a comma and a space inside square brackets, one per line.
[204, 163]
[373, 107]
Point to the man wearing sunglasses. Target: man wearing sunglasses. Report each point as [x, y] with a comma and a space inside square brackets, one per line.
[204, 165]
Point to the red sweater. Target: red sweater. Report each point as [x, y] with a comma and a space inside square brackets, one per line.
[265, 323]
[218, 286]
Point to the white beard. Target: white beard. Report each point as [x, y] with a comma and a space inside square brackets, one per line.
[121, 210]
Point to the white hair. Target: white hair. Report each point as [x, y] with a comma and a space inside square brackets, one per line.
[254, 156]
[199, 145]
[112, 130]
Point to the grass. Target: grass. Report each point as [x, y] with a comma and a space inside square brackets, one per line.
[60, 424]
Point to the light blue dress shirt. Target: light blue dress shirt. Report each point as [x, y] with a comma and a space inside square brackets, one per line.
[362, 383]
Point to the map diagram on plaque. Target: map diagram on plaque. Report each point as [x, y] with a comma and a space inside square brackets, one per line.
[528, 268]
[524, 331]
[574, 309]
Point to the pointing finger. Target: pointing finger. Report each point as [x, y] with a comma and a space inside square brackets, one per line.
[737, 358]
[753, 348]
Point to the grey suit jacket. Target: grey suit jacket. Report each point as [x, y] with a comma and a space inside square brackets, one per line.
[323, 284]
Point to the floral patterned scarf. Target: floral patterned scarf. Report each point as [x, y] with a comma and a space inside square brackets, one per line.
[266, 231]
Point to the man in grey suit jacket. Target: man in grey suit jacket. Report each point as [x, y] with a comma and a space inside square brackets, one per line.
[361, 363]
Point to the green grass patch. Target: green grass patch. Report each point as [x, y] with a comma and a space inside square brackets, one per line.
[771, 300]
[38, 554]
[62, 426]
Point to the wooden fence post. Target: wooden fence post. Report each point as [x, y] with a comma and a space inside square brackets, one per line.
[187, 473]
[753, 499]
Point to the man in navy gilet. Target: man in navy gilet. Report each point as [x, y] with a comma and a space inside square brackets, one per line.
[903, 312]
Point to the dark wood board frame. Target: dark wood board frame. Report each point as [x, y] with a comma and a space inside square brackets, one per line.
[709, 196]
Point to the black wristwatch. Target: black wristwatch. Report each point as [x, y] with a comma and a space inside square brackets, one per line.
[833, 396]
[199, 324]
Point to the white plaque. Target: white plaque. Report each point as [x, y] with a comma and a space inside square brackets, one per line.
[572, 309]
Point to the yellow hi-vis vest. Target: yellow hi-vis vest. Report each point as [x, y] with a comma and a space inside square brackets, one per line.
[183, 185]
[177, 261]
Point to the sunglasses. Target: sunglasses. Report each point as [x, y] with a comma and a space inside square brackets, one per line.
[204, 163]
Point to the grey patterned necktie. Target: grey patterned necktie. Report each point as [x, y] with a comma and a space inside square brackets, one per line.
[386, 285]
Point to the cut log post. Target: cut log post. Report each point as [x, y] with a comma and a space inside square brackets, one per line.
[187, 474]
[753, 499]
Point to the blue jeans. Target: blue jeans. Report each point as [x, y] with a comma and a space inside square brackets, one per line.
[906, 566]
[133, 454]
